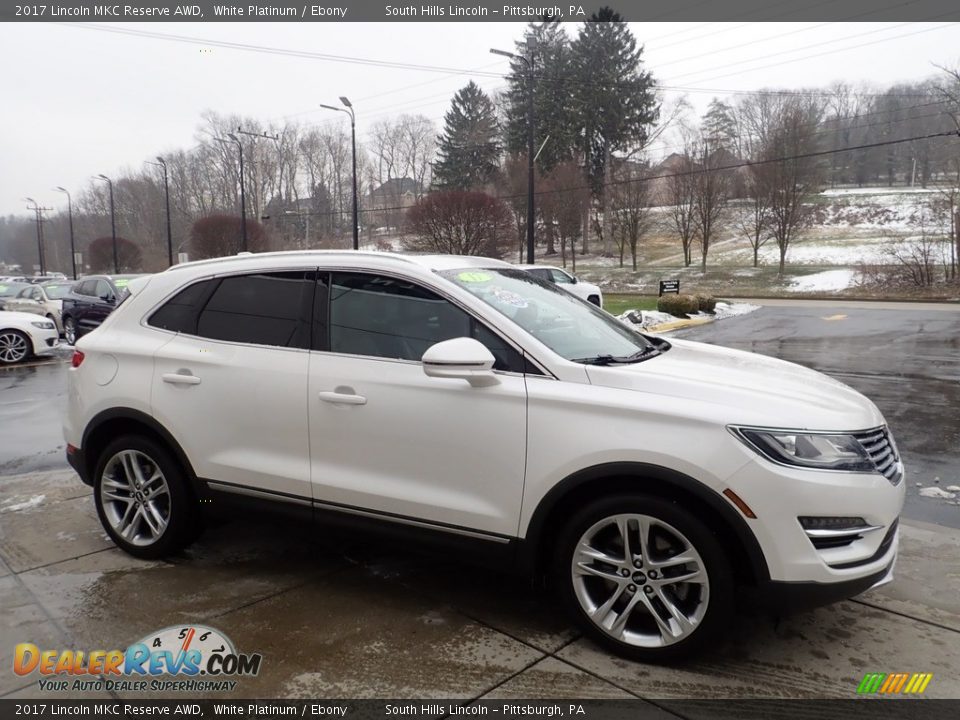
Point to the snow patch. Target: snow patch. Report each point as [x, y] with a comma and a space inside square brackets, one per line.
[650, 318]
[25, 505]
[826, 281]
[725, 310]
[937, 493]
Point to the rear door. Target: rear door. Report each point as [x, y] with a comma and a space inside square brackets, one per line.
[232, 382]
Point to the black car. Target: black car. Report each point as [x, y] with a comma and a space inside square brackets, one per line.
[89, 302]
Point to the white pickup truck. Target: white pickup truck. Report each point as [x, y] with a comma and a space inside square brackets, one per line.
[558, 276]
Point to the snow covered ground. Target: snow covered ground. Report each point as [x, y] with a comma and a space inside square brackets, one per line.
[826, 281]
[651, 318]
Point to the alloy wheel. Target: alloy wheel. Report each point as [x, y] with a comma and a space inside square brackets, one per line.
[135, 497]
[640, 581]
[70, 331]
[13, 347]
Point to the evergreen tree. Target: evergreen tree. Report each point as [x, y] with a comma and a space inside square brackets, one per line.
[719, 127]
[468, 151]
[552, 91]
[613, 97]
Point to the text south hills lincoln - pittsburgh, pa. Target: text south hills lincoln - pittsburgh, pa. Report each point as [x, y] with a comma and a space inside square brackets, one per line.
[512, 11]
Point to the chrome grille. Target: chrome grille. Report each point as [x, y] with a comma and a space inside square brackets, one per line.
[883, 453]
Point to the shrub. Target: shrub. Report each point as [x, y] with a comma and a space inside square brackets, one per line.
[707, 303]
[678, 305]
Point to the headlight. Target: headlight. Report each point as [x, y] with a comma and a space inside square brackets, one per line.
[809, 450]
[43, 324]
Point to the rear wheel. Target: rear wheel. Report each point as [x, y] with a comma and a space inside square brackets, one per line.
[14, 347]
[70, 330]
[644, 578]
[142, 498]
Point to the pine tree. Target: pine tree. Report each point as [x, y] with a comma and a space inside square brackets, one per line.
[554, 118]
[719, 127]
[613, 97]
[468, 151]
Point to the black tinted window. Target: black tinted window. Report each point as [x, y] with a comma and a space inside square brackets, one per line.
[391, 318]
[261, 309]
[86, 287]
[180, 313]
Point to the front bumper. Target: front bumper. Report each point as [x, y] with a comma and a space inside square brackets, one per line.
[779, 495]
[44, 341]
[781, 597]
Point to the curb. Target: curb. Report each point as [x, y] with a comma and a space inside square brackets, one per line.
[677, 324]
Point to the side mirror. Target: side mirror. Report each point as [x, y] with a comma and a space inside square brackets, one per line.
[108, 298]
[461, 358]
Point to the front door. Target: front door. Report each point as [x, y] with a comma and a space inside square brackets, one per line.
[387, 439]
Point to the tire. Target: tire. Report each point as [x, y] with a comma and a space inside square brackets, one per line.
[70, 330]
[154, 518]
[594, 299]
[15, 347]
[632, 611]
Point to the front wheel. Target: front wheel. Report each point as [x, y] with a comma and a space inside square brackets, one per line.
[644, 578]
[70, 330]
[14, 347]
[142, 498]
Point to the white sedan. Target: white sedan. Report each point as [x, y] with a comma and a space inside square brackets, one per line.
[23, 335]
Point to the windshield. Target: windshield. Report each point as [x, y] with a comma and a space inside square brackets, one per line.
[571, 327]
[56, 291]
[11, 289]
[120, 282]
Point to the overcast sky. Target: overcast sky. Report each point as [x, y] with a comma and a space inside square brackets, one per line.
[79, 101]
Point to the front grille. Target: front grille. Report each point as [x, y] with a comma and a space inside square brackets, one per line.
[883, 453]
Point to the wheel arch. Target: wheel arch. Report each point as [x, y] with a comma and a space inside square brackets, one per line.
[112, 423]
[570, 494]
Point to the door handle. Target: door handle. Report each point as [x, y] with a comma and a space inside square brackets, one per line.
[180, 379]
[342, 398]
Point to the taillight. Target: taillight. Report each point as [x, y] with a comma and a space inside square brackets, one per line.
[77, 358]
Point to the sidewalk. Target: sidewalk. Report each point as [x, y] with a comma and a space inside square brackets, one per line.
[353, 620]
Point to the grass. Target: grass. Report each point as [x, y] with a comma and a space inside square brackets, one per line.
[619, 303]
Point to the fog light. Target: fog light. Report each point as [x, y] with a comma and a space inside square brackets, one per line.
[832, 523]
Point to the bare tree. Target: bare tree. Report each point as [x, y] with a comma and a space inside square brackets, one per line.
[753, 215]
[563, 197]
[681, 199]
[459, 222]
[710, 189]
[631, 200]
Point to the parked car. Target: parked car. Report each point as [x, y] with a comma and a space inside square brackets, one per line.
[12, 279]
[45, 300]
[570, 283]
[9, 290]
[465, 402]
[23, 335]
[89, 301]
[48, 277]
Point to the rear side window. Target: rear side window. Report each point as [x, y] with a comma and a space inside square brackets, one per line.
[261, 309]
[87, 287]
[179, 313]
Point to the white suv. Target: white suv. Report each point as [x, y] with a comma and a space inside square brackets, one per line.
[463, 401]
[570, 283]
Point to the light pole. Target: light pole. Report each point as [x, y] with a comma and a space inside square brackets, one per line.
[166, 192]
[243, 192]
[73, 249]
[38, 211]
[353, 143]
[113, 223]
[528, 61]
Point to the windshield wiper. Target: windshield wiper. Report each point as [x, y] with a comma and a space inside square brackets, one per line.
[619, 360]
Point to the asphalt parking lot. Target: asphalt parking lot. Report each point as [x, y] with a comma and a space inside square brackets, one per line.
[339, 618]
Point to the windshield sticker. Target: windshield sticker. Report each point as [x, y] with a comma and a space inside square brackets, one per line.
[474, 277]
[509, 297]
[3, 288]
[121, 283]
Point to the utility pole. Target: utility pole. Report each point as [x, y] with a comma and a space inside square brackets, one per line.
[73, 248]
[38, 211]
[528, 61]
[166, 192]
[113, 223]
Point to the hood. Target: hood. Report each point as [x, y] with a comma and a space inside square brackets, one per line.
[751, 389]
[19, 318]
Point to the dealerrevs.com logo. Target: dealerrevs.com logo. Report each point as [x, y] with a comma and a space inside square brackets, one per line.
[178, 658]
[894, 683]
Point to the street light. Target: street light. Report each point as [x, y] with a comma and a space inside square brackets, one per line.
[166, 192]
[73, 249]
[353, 142]
[531, 46]
[243, 192]
[38, 212]
[113, 223]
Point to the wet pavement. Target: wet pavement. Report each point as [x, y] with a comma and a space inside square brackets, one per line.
[351, 620]
[906, 358]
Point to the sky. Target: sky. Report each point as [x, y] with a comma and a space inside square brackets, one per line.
[84, 99]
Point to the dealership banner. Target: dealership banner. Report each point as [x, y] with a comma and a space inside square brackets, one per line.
[512, 709]
[478, 10]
